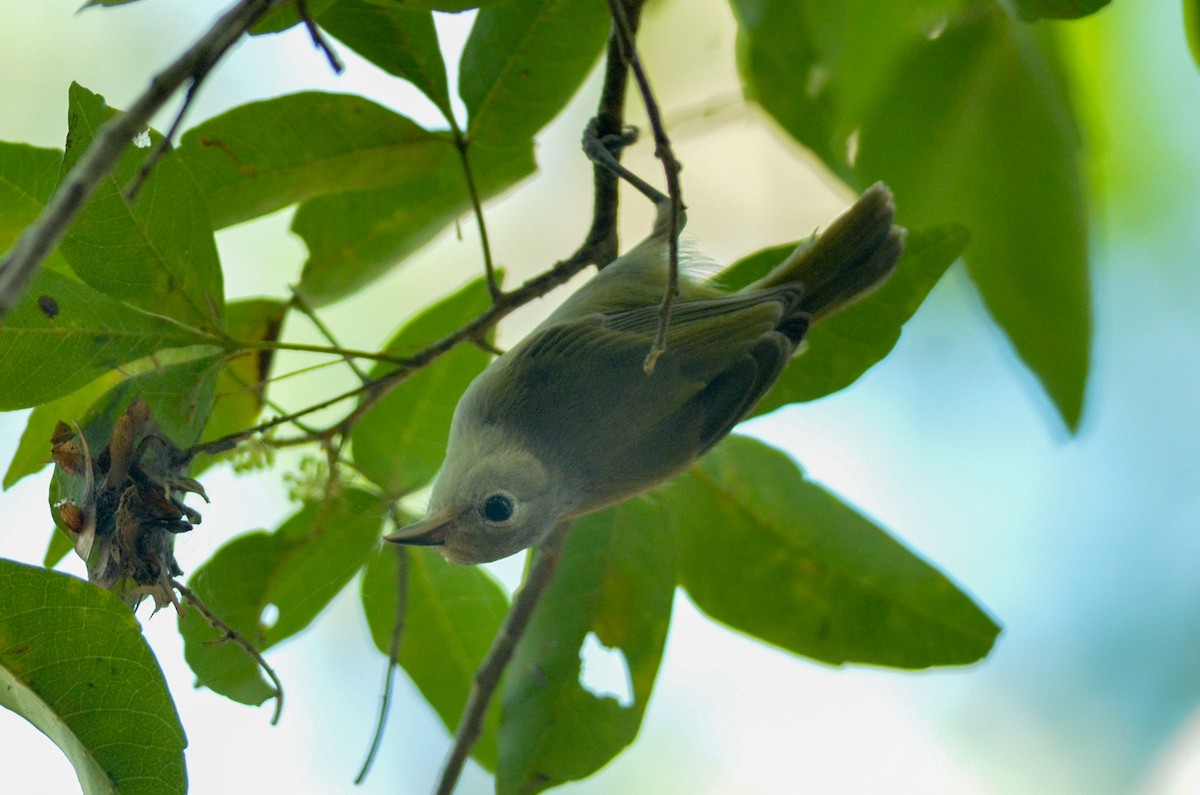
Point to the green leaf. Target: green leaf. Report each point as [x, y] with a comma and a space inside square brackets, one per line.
[400, 443]
[287, 15]
[27, 178]
[242, 381]
[1008, 168]
[524, 60]
[263, 156]
[73, 663]
[1191, 25]
[354, 238]
[453, 613]
[63, 334]
[1033, 10]
[157, 251]
[299, 568]
[961, 111]
[33, 451]
[840, 349]
[398, 39]
[450, 6]
[616, 580]
[765, 551]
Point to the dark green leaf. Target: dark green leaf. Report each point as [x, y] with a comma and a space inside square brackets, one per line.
[994, 126]
[157, 251]
[1191, 24]
[73, 663]
[33, 451]
[616, 580]
[398, 39]
[285, 16]
[453, 613]
[400, 443]
[962, 112]
[451, 6]
[354, 238]
[524, 60]
[299, 568]
[262, 156]
[771, 554]
[840, 349]
[63, 334]
[1033, 10]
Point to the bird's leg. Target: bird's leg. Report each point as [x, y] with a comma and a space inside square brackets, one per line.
[602, 151]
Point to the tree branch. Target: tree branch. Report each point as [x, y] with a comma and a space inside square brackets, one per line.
[20, 265]
[487, 678]
[393, 658]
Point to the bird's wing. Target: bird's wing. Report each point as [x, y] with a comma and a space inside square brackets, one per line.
[578, 390]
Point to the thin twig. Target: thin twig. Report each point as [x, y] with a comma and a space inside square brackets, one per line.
[20, 265]
[230, 634]
[393, 658]
[671, 167]
[487, 678]
[318, 39]
[461, 144]
[301, 303]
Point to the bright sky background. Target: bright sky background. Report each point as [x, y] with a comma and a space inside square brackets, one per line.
[1085, 548]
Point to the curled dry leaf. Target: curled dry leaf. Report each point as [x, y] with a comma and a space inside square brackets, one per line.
[131, 505]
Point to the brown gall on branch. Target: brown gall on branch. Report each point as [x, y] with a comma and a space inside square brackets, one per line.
[20, 265]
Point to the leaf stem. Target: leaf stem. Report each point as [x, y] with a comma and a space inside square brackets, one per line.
[389, 676]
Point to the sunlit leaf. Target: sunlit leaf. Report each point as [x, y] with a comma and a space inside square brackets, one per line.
[354, 238]
[73, 663]
[398, 38]
[524, 60]
[63, 334]
[776, 556]
[615, 580]
[156, 251]
[262, 156]
[297, 569]
[453, 613]
[400, 443]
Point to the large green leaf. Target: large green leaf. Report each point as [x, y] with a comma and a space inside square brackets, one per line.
[396, 38]
[156, 251]
[63, 334]
[400, 443]
[452, 616]
[27, 178]
[262, 156]
[769, 553]
[287, 15]
[840, 349]
[73, 663]
[449, 6]
[298, 569]
[615, 580]
[354, 238]
[524, 60]
[961, 111]
[1031, 10]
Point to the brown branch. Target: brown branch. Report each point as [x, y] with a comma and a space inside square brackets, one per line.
[626, 33]
[20, 265]
[487, 678]
[229, 634]
[393, 658]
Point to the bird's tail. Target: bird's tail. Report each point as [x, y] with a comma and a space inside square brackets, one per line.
[847, 261]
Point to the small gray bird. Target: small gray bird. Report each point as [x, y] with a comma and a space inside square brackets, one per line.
[569, 421]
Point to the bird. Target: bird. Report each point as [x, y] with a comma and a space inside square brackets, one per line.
[572, 419]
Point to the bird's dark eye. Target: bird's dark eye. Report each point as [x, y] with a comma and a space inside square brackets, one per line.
[497, 508]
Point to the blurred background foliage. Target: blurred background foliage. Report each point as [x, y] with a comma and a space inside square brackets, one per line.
[1085, 545]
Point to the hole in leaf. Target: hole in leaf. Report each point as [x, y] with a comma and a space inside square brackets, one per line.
[270, 615]
[142, 140]
[604, 671]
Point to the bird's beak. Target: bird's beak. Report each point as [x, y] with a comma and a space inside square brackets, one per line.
[429, 532]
